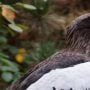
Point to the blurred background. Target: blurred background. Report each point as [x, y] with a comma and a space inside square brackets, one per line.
[31, 31]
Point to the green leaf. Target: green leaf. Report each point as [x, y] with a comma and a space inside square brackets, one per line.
[8, 68]
[27, 6]
[12, 49]
[7, 76]
[5, 68]
[3, 55]
[15, 28]
[31, 7]
[7, 62]
[3, 40]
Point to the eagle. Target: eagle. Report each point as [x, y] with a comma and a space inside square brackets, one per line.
[68, 69]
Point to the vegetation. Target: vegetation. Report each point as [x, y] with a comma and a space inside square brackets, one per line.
[31, 31]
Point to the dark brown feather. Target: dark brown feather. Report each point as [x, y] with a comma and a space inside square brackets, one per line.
[78, 34]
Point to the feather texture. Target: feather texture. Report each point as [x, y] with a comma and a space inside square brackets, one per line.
[76, 77]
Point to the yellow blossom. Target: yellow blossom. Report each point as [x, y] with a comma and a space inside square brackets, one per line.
[19, 58]
[21, 51]
[20, 55]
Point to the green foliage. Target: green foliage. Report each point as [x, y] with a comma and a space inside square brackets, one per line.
[37, 8]
[7, 76]
[13, 55]
[41, 5]
[6, 22]
[3, 40]
[9, 70]
[15, 28]
[41, 51]
[26, 6]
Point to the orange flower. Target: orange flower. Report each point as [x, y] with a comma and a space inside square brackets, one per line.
[7, 13]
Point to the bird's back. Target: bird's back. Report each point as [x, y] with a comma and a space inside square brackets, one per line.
[71, 78]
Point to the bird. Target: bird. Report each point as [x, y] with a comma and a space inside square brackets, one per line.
[60, 60]
[72, 57]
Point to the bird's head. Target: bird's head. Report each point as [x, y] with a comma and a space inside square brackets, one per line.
[78, 34]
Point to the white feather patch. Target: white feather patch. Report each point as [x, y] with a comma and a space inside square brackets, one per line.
[77, 78]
